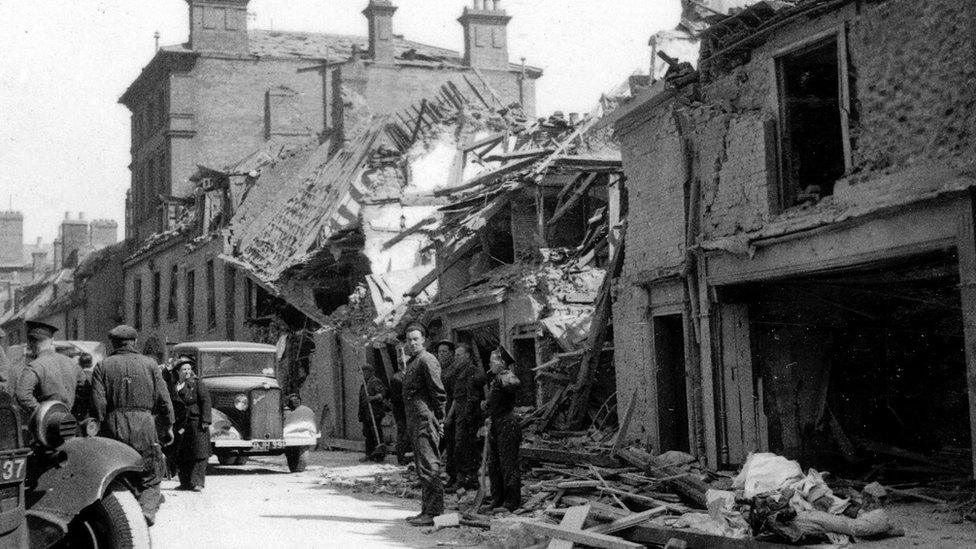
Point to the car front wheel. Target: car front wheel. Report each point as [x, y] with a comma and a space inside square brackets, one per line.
[114, 522]
[297, 457]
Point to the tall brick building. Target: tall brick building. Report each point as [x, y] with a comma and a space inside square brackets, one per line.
[229, 89]
[799, 275]
[232, 96]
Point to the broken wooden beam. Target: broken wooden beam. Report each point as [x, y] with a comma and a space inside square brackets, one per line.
[629, 521]
[574, 519]
[691, 489]
[578, 193]
[660, 536]
[582, 537]
[567, 456]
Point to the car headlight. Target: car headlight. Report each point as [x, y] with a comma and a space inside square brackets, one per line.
[240, 402]
[52, 424]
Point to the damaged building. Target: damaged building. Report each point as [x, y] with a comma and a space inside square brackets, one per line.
[235, 98]
[800, 247]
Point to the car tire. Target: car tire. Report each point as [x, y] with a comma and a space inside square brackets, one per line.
[240, 459]
[225, 458]
[115, 521]
[297, 457]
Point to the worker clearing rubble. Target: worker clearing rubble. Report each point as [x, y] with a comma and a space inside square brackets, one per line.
[372, 409]
[424, 398]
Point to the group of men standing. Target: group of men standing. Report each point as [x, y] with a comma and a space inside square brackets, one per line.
[128, 399]
[443, 400]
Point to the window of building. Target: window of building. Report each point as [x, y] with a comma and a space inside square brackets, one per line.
[172, 313]
[137, 302]
[157, 290]
[248, 299]
[230, 300]
[813, 87]
[75, 332]
[211, 296]
[191, 288]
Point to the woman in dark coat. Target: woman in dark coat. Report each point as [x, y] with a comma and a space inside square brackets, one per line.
[191, 402]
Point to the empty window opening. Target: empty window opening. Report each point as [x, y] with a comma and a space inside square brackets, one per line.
[523, 351]
[811, 116]
[672, 392]
[157, 290]
[172, 310]
[191, 289]
[137, 301]
[211, 296]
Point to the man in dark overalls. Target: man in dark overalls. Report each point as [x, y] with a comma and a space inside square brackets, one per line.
[127, 393]
[424, 398]
[465, 414]
[505, 435]
[445, 357]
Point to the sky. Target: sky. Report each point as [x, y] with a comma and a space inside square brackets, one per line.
[64, 138]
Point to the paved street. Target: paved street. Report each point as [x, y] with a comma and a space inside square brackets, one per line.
[262, 505]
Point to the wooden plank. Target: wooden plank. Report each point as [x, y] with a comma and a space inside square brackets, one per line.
[629, 521]
[490, 140]
[646, 500]
[573, 199]
[574, 519]
[659, 536]
[566, 456]
[589, 539]
[621, 437]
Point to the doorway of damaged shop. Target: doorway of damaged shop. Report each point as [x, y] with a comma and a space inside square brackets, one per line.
[860, 371]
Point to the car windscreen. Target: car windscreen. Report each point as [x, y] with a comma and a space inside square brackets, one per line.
[227, 363]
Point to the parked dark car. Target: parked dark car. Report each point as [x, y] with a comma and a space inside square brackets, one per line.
[58, 489]
[248, 412]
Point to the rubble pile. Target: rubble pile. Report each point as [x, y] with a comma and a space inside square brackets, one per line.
[656, 498]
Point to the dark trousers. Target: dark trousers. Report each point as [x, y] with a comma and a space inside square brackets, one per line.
[467, 451]
[371, 436]
[403, 445]
[504, 468]
[427, 460]
[447, 444]
[192, 452]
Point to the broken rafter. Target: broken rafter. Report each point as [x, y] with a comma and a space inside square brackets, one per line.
[597, 337]
[490, 140]
[488, 176]
[573, 199]
[407, 232]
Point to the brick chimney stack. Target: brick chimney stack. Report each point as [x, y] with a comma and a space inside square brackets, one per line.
[11, 238]
[485, 35]
[379, 13]
[218, 26]
[104, 232]
[75, 241]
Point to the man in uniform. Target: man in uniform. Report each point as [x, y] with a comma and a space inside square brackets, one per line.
[127, 392]
[372, 394]
[445, 358]
[505, 434]
[50, 376]
[465, 414]
[424, 398]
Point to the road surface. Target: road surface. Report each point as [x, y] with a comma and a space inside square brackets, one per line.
[261, 505]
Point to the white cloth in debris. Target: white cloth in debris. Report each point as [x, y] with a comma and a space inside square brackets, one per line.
[813, 489]
[766, 472]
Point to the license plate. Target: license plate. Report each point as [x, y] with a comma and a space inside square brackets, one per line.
[265, 445]
[13, 469]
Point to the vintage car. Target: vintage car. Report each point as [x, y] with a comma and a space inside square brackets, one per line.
[59, 489]
[249, 417]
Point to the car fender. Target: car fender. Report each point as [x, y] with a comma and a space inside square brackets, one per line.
[88, 467]
[300, 422]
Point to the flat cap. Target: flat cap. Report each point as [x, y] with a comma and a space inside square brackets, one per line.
[39, 330]
[123, 332]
